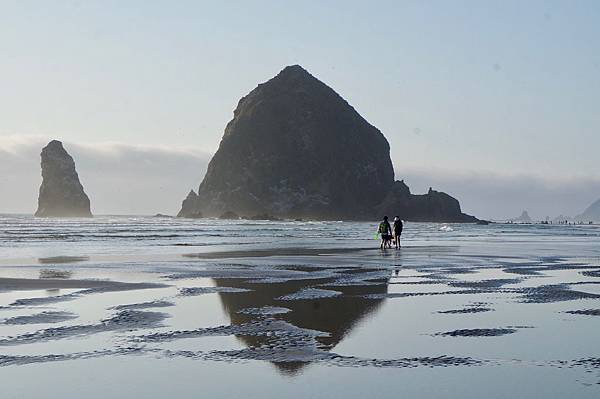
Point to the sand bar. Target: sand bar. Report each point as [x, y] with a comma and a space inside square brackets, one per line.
[26, 284]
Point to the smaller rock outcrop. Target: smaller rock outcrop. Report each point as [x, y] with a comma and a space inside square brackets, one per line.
[433, 206]
[189, 208]
[61, 193]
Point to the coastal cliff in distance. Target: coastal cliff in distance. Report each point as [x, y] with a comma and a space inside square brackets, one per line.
[591, 214]
[296, 149]
[61, 193]
[523, 218]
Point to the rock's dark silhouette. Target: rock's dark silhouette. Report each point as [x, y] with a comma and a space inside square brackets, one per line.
[296, 149]
[61, 193]
[435, 206]
[189, 206]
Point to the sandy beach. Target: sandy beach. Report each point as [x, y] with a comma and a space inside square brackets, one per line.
[518, 302]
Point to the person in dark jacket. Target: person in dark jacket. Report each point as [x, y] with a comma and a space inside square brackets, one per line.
[386, 233]
[398, 226]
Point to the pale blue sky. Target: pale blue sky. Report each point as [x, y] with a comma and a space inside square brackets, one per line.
[505, 87]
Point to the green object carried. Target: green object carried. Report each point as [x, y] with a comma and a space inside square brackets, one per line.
[377, 236]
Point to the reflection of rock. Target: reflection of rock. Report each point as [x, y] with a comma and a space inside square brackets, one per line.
[336, 316]
[309, 293]
[61, 193]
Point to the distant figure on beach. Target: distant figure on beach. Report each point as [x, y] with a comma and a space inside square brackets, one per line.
[386, 233]
[398, 226]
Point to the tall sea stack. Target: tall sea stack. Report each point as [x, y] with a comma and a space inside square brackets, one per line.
[61, 193]
[296, 149]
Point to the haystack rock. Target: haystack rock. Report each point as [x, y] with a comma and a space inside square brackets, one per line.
[296, 149]
[61, 193]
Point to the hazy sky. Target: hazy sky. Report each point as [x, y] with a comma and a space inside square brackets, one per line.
[476, 91]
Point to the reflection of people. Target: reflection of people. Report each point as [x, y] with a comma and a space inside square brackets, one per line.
[386, 233]
[397, 231]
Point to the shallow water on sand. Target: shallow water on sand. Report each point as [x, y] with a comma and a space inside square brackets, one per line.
[296, 309]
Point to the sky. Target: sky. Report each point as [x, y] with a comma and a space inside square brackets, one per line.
[495, 102]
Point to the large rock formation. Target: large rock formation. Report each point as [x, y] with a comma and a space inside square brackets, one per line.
[296, 149]
[61, 193]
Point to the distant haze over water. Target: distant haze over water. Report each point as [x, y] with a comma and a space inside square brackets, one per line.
[127, 179]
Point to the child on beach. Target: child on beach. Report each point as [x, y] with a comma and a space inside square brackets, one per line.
[386, 233]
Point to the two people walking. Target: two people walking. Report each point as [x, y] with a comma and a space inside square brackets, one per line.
[388, 233]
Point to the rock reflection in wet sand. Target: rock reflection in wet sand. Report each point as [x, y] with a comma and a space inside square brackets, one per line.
[336, 316]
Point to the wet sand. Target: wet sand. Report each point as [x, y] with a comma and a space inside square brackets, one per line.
[263, 253]
[63, 259]
[29, 284]
[459, 319]
[297, 251]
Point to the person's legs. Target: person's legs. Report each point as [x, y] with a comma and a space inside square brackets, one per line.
[385, 241]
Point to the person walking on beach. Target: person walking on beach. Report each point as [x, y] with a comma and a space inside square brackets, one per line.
[398, 226]
[386, 233]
